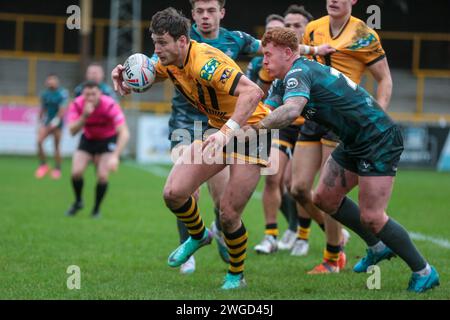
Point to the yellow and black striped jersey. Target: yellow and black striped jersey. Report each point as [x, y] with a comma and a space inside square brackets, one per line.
[208, 80]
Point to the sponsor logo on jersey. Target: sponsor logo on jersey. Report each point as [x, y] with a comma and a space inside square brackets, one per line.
[209, 69]
[292, 83]
[363, 42]
[226, 75]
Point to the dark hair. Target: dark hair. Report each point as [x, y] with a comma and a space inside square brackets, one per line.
[90, 84]
[221, 2]
[51, 74]
[296, 9]
[170, 21]
[282, 37]
[274, 17]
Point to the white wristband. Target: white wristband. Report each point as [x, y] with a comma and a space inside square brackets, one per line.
[233, 125]
[316, 50]
[307, 49]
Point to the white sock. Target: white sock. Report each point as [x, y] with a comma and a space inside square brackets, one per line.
[379, 247]
[424, 272]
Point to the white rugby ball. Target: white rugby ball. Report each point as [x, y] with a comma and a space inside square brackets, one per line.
[139, 73]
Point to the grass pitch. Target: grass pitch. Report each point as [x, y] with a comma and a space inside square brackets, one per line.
[124, 254]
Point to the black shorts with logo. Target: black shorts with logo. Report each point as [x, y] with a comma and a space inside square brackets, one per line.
[312, 132]
[251, 151]
[378, 157]
[95, 147]
[287, 139]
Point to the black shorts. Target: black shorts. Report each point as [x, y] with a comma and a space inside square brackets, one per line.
[311, 132]
[95, 147]
[378, 157]
[287, 139]
[252, 151]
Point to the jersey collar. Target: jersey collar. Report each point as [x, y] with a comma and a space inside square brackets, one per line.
[341, 31]
[194, 29]
[186, 61]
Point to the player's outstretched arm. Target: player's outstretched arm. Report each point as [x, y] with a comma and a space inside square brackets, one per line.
[283, 116]
[382, 74]
[249, 95]
[321, 50]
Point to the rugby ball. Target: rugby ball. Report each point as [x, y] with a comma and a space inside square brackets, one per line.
[139, 73]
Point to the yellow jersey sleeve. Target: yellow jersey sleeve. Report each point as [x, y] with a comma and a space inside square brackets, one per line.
[264, 76]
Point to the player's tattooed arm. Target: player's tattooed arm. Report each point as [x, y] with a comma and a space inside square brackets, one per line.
[284, 115]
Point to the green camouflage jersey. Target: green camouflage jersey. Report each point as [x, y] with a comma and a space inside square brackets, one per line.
[333, 101]
[371, 141]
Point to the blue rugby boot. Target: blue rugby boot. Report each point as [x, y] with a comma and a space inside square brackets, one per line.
[188, 248]
[372, 259]
[234, 281]
[421, 284]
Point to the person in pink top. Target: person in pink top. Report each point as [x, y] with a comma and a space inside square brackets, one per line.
[105, 134]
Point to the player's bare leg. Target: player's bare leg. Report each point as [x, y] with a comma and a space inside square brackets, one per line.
[186, 176]
[305, 164]
[242, 184]
[289, 208]
[43, 168]
[272, 200]
[374, 195]
[334, 256]
[335, 182]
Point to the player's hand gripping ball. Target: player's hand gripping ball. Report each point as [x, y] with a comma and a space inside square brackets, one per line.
[139, 73]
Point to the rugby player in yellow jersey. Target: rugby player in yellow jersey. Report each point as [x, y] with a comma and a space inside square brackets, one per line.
[357, 47]
[213, 83]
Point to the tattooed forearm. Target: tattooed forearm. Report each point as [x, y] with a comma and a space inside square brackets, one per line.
[285, 114]
[281, 117]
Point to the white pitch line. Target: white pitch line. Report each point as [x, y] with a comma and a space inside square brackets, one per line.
[441, 242]
[156, 170]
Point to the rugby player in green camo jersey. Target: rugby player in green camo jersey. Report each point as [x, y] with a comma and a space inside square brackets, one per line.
[367, 157]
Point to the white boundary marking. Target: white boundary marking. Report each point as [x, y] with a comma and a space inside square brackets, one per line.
[156, 170]
[441, 242]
